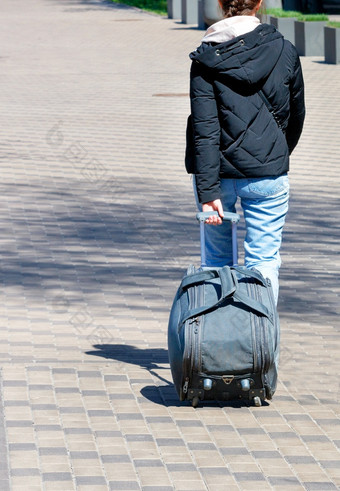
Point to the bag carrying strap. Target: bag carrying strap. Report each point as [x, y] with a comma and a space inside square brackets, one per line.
[229, 289]
[209, 274]
[251, 273]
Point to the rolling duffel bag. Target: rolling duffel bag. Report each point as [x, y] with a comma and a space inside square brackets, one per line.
[223, 333]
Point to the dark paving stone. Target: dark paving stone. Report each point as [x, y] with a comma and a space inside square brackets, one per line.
[13, 403]
[44, 407]
[52, 451]
[187, 423]
[102, 413]
[4, 485]
[107, 459]
[202, 446]
[181, 467]
[297, 417]
[90, 480]
[85, 454]
[148, 463]
[158, 488]
[14, 383]
[319, 486]
[330, 464]
[283, 481]
[220, 428]
[71, 410]
[19, 424]
[47, 427]
[57, 476]
[23, 472]
[78, 431]
[93, 393]
[300, 459]
[121, 396]
[249, 476]
[250, 431]
[170, 442]
[315, 438]
[282, 434]
[22, 446]
[266, 454]
[234, 451]
[159, 419]
[128, 486]
[63, 370]
[115, 378]
[328, 422]
[67, 390]
[40, 387]
[214, 471]
[108, 434]
[129, 416]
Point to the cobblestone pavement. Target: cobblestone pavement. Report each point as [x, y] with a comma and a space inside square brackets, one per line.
[97, 229]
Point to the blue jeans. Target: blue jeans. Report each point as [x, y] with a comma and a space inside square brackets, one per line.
[265, 204]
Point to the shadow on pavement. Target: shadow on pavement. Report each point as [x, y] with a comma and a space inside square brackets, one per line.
[149, 359]
[94, 4]
[78, 238]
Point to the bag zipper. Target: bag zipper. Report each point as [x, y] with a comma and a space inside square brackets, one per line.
[266, 358]
[188, 343]
[198, 328]
[192, 355]
[255, 329]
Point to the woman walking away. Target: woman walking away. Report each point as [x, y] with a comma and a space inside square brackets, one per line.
[247, 113]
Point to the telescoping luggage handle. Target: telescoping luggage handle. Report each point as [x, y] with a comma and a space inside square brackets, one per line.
[234, 218]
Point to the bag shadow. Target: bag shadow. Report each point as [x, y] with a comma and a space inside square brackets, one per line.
[153, 361]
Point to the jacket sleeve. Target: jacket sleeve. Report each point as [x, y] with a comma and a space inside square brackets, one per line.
[297, 106]
[206, 131]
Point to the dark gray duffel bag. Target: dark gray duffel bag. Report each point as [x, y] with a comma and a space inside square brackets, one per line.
[223, 336]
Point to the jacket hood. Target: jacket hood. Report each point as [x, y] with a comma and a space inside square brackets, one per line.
[230, 28]
[247, 59]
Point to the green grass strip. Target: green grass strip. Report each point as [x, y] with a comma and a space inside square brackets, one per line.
[283, 13]
[314, 18]
[155, 6]
[297, 15]
[334, 24]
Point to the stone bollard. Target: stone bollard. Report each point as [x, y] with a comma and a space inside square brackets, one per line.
[272, 4]
[210, 12]
[332, 45]
[201, 22]
[190, 11]
[174, 9]
[285, 25]
[309, 38]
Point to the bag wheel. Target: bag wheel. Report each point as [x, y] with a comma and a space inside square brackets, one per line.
[195, 401]
[257, 401]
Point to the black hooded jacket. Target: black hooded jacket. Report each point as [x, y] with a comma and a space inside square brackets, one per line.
[247, 109]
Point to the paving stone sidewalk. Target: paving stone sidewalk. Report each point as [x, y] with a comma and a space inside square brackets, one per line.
[97, 229]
